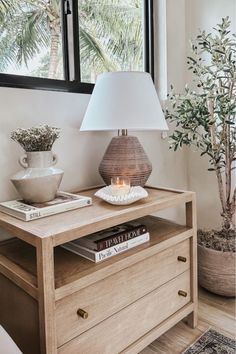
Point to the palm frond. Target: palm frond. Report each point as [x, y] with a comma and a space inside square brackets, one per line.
[92, 51]
[118, 25]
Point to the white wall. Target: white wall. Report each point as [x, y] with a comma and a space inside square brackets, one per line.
[176, 43]
[202, 14]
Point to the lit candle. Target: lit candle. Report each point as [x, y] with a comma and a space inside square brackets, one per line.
[120, 185]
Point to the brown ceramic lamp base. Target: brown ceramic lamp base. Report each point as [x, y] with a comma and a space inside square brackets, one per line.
[126, 157]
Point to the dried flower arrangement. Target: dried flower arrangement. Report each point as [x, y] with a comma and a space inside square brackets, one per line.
[40, 138]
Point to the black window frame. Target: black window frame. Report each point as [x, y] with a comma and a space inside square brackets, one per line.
[71, 54]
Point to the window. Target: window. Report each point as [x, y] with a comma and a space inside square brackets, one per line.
[66, 44]
[30, 38]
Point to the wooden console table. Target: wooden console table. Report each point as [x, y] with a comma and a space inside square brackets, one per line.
[53, 301]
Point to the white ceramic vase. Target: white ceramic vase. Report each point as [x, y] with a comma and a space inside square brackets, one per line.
[40, 180]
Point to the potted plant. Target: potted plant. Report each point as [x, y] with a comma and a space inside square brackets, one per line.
[39, 182]
[205, 118]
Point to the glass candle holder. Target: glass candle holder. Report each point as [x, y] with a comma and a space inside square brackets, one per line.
[120, 185]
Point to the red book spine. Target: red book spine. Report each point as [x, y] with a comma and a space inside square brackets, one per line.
[119, 238]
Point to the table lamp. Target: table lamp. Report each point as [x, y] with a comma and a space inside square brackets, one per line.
[124, 101]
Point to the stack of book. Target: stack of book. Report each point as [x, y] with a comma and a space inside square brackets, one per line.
[107, 243]
[30, 211]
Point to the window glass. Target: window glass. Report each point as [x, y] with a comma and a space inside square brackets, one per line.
[111, 37]
[30, 38]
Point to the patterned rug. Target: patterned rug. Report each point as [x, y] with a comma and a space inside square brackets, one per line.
[212, 342]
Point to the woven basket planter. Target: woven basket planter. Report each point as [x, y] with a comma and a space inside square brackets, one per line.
[216, 271]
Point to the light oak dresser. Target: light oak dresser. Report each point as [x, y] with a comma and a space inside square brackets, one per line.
[53, 301]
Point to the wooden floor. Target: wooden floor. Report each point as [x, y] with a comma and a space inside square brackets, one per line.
[215, 312]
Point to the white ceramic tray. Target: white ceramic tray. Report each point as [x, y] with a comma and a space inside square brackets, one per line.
[135, 194]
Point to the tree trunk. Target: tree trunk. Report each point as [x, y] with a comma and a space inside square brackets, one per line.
[227, 220]
[54, 48]
[228, 214]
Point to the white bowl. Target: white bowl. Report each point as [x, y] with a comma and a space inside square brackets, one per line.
[135, 194]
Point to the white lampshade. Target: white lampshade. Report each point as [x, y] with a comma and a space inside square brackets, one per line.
[124, 100]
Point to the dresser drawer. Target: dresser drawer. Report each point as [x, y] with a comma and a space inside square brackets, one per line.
[110, 295]
[125, 327]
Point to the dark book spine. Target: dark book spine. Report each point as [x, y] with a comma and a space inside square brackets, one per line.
[123, 237]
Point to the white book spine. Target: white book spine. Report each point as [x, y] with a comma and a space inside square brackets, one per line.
[17, 214]
[40, 213]
[109, 252]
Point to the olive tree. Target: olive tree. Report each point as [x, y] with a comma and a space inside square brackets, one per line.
[205, 117]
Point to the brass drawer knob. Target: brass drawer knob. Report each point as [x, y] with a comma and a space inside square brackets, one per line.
[182, 293]
[182, 259]
[82, 314]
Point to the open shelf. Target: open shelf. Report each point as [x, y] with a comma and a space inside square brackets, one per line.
[100, 215]
[71, 268]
